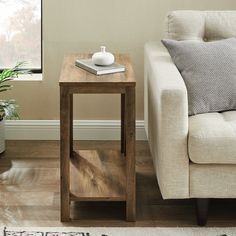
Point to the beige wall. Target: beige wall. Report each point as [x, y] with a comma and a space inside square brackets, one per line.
[84, 25]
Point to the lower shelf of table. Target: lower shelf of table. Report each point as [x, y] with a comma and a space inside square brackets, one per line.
[97, 175]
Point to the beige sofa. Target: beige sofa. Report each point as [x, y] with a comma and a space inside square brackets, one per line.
[194, 157]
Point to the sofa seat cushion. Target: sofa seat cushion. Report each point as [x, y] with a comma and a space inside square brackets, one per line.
[212, 138]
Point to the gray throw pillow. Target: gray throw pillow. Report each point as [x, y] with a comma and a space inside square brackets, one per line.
[209, 72]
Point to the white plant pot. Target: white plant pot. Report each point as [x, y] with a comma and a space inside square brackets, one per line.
[2, 136]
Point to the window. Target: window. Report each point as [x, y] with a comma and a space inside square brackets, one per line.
[21, 33]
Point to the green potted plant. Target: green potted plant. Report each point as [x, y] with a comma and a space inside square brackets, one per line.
[8, 108]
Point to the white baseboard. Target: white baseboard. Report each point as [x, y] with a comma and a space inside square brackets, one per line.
[83, 130]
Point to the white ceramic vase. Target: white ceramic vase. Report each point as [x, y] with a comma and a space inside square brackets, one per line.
[103, 58]
[2, 136]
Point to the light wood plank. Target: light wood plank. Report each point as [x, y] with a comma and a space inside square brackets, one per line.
[26, 149]
[29, 198]
[36, 162]
[29, 176]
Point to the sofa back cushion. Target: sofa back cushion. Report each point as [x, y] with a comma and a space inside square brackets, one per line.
[200, 25]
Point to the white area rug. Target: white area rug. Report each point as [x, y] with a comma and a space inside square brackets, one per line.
[68, 231]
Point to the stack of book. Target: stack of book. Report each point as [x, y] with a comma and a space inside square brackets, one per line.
[88, 65]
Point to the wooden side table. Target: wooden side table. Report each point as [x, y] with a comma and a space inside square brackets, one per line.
[97, 175]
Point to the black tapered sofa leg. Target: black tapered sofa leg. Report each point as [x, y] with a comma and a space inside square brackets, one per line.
[202, 210]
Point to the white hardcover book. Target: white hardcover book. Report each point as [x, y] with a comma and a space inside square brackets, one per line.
[88, 65]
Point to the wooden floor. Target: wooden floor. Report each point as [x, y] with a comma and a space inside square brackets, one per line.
[29, 192]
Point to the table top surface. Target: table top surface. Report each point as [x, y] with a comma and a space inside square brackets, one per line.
[71, 75]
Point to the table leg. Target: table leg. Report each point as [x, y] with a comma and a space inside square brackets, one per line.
[65, 131]
[130, 155]
[123, 148]
[71, 124]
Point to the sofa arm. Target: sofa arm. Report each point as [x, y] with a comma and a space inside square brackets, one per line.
[166, 121]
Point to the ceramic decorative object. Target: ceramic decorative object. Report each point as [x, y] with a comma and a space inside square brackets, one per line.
[103, 58]
[2, 136]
